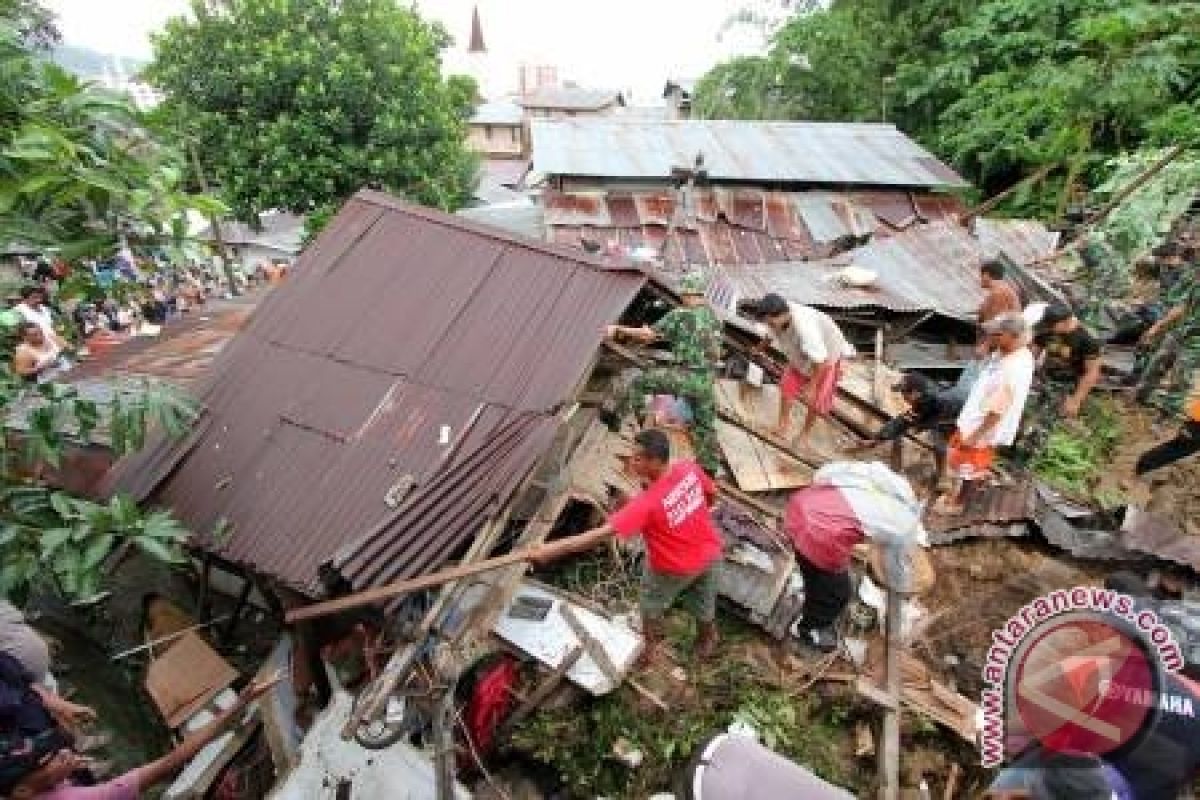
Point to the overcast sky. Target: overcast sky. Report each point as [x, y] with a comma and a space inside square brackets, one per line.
[606, 43]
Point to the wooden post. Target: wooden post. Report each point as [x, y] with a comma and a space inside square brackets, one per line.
[443, 734]
[876, 378]
[996, 200]
[889, 752]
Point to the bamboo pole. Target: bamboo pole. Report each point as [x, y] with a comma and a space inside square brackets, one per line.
[997, 199]
[409, 585]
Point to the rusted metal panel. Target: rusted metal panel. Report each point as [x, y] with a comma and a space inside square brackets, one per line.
[866, 154]
[623, 211]
[577, 208]
[894, 208]
[1022, 240]
[1159, 536]
[654, 209]
[421, 349]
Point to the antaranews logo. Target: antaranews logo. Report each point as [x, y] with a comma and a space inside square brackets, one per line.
[1078, 670]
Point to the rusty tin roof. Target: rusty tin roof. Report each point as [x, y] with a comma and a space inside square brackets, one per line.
[829, 153]
[738, 226]
[932, 267]
[386, 399]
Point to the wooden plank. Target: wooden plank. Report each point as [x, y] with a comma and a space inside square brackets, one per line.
[591, 644]
[757, 409]
[756, 465]
[543, 691]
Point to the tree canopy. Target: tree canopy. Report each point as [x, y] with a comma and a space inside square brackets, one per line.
[296, 104]
[998, 88]
[78, 170]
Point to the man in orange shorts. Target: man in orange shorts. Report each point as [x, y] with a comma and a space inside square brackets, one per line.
[992, 413]
[815, 348]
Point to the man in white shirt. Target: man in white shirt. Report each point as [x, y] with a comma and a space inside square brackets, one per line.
[33, 309]
[815, 348]
[992, 414]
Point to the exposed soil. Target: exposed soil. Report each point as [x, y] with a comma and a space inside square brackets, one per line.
[979, 585]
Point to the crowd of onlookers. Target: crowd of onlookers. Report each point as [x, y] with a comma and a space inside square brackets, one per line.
[61, 308]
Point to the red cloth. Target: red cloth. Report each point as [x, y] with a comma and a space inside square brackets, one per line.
[823, 527]
[969, 463]
[794, 382]
[673, 518]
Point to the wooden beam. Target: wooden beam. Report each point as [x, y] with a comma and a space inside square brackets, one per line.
[997, 199]
[542, 692]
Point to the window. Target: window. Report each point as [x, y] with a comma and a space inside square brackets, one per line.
[487, 132]
[515, 134]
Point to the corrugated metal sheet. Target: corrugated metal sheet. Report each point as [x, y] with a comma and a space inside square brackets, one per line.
[569, 98]
[498, 112]
[931, 267]
[836, 153]
[997, 507]
[181, 353]
[1022, 240]
[743, 226]
[1156, 535]
[507, 172]
[409, 346]
[524, 219]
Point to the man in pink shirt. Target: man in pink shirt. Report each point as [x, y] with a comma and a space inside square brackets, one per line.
[683, 547]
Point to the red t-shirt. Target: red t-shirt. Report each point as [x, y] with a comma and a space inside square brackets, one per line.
[823, 527]
[673, 518]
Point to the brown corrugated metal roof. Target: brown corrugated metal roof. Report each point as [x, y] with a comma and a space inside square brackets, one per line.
[742, 226]
[408, 345]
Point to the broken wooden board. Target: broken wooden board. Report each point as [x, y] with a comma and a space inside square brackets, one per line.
[757, 407]
[186, 677]
[938, 703]
[551, 640]
[758, 466]
[599, 463]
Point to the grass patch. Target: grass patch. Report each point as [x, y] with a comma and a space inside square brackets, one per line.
[578, 741]
[1077, 451]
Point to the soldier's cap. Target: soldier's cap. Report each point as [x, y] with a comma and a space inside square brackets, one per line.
[693, 284]
[1055, 313]
[1008, 322]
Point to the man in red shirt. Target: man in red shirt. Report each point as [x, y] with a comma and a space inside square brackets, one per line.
[683, 547]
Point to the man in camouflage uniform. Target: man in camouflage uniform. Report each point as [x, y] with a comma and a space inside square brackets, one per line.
[1104, 276]
[1070, 369]
[1178, 351]
[693, 332]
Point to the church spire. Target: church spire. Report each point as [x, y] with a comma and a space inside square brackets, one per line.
[477, 45]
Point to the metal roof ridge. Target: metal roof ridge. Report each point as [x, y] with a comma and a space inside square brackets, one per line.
[457, 222]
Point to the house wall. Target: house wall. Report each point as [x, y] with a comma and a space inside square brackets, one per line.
[501, 141]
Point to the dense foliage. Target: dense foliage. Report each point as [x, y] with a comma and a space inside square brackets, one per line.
[78, 170]
[296, 104]
[999, 87]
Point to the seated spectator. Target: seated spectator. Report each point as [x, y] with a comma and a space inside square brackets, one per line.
[35, 360]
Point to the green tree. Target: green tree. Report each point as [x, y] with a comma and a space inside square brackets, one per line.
[78, 171]
[296, 104]
[998, 88]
